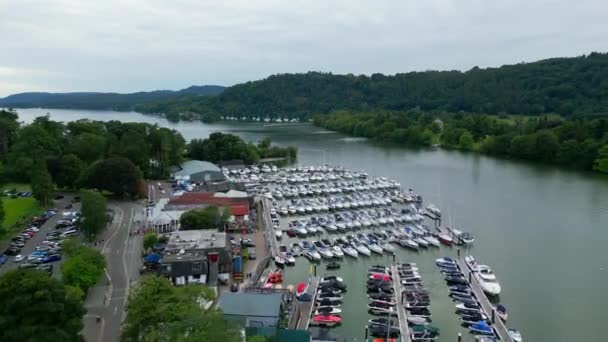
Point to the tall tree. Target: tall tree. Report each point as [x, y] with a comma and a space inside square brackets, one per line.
[94, 217]
[117, 175]
[8, 130]
[208, 218]
[42, 184]
[83, 267]
[36, 307]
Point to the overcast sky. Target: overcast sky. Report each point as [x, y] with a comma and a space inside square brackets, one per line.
[131, 45]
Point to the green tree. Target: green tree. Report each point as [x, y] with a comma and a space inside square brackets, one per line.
[466, 140]
[83, 268]
[93, 210]
[158, 311]
[117, 175]
[8, 130]
[36, 307]
[150, 240]
[1, 214]
[70, 170]
[601, 163]
[207, 218]
[42, 185]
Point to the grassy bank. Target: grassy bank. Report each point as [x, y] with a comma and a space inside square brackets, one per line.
[17, 210]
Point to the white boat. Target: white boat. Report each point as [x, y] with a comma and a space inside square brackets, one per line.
[279, 261]
[487, 279]
[350, 251]
[337, 251]
[289, 259]
[283, 211]
[312, 255]
[326, 253]
[363, 250]
[388, 247]
[515, 335]
[278, 233]
[433, 241]
[375, 248]
[327, 310]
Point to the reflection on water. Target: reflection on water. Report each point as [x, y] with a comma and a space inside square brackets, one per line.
[540, 228]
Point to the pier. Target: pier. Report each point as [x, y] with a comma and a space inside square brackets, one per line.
[300, 317]
[401, 312]
[271, 238]
[498, 325]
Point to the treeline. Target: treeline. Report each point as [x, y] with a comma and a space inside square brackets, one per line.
[576, 142]
[225, 147]
[564, 86]
[109, 156]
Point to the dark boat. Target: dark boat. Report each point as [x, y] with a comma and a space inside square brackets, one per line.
[333, 266]
[383, 331]
[419, 312]
[456, 280]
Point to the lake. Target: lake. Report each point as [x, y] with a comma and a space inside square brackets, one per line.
[542, 229]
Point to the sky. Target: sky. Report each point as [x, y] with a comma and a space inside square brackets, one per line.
[135, 45]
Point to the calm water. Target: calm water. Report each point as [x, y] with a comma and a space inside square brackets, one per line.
[541, 229]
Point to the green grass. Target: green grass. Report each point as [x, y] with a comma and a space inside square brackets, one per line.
[15, 209]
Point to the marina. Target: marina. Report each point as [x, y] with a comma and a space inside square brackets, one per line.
[321, 215]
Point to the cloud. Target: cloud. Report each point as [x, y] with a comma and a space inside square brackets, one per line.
[132, 45]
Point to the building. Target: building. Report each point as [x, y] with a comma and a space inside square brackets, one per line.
[238, 202]
[196, 256]
[197, 171]
[252, 310]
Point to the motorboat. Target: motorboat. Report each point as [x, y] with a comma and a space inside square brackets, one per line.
[296, 249]
[445, 261]
[501, 310]
[417, 320]
[289, 259]
[375, 248]
[482, 328]
[328, 295]
[301, 289]
[326, 253]
[388, 247]
[312, 255]
[426, 330]
[383, 322]
[433, 212]
[421, 242]
[445, 239]
[432, 241]
[375, 330]
[515, 335]
[301, 231]
[466, 238]
[381, 309]
[462, 307]
[279, 261]
[333, 266]
[327, 320]
[485, 276]
[330, 279]
[350, 251]
[327, 310]
[361, 249]
[337, 252]
[329, 302]
[408, 243]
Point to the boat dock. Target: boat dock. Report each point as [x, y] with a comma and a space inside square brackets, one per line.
[271, 239]
[300, 317]
[401, 312]
[498, 325]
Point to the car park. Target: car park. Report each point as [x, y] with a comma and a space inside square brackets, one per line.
[58, 197]
[68, 206]
[27, 265]
[70, 232]
[19, 244]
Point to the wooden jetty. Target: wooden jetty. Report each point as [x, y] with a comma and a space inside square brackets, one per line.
[400, 305]
[498, 325]
[271, 238]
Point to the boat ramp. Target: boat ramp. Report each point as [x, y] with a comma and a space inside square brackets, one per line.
[401, 312]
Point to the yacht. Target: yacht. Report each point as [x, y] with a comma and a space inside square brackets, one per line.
[388, 247]
[350, 251]
[375, 248]
[337, 251]
[361, 249]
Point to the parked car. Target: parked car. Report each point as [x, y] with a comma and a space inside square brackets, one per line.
[51, 258]
[12, 251]
[76, 199]
[247, 243]
[27, 265]
[18, 258]
[70, 232]
[68, 206]
[251, 253]
[3, 259]
[19, 244]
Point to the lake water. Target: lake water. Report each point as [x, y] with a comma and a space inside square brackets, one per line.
[543, 230]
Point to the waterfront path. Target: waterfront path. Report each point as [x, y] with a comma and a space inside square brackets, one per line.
[266, 205]
[300, 318]
[400, 305]
[499, 327]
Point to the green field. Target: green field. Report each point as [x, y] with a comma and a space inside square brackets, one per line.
[16, 209]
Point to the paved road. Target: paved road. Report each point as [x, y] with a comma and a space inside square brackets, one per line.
[122, 253]
[30, 245]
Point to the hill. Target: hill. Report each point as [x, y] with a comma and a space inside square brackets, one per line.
[93, 100]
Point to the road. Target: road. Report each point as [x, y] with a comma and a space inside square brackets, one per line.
[122, 252]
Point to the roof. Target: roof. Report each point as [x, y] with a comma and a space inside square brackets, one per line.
[191, 167]
[251, 304]
[239, 210]
[194, 198]
[231, 194]
[196, 239]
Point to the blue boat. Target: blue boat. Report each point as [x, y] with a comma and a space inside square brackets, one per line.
[482, 328]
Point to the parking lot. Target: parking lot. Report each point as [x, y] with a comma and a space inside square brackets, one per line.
[61, 205]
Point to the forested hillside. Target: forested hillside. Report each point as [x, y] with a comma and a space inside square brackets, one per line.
[565, 86]
[91, 100]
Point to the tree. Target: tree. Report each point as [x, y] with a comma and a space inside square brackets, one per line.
[208, 218]
[150, 240]
[70, 170]
[93, 210]
[8, 130]
[36, 307]
[42, 185]
[466, 140]
[83, 268]
[158, 311]
[117, 175]
[601, 163]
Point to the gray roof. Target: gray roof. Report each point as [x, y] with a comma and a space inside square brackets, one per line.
[251, 304]
[191, 167]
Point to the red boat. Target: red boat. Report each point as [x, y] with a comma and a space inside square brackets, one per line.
[384, 277]
[275, 277]
[327, 320]
[445, 239]
[301, 289]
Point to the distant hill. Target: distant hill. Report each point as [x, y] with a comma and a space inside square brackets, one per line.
[93, 100]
